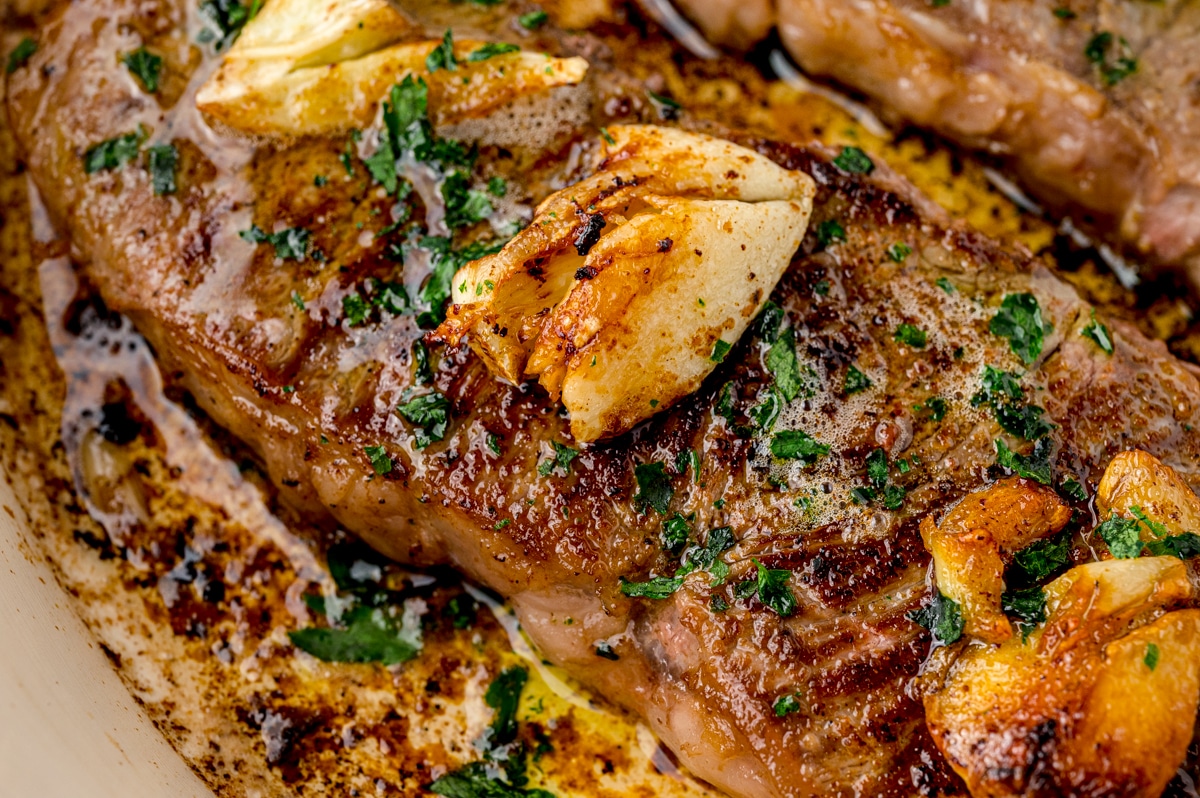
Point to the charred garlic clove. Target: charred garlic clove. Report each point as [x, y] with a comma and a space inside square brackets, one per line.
[629, 286]
[970, 544]
[302, 67]
[1137, 482]
[1100, 701]
[1099, 698]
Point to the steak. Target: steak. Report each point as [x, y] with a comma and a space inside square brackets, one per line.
[787, 669]
[1093, 104]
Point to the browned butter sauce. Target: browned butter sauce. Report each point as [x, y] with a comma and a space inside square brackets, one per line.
[191, 572]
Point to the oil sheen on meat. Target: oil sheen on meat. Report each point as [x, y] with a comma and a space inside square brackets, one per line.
[310, 393]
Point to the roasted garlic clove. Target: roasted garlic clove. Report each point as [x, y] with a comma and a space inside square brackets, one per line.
[969, 545]
[1138, 479]
[629, 286]
[1101, 700]
[303, 67]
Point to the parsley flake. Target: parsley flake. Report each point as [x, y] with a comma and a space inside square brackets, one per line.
[910, 335]
[942, 616]
[381, 461]
[491, 50]
[19, 55]
[1098, 332]
[533, 20]
[854, 161]
[429, 415]
[798, 445]
[1152, 654]
[145, 66]
[898, 252]
[1020, 321]
[654, 487]
[855, 382]
[442, 56]
[829, 231]
[563, 455]
[113, 153]
[162, 161]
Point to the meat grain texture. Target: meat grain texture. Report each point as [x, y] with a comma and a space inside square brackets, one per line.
[262, 344]
[1093, 104]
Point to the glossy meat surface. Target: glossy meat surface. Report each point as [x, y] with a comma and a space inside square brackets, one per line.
[310, 392]
[1093, 103]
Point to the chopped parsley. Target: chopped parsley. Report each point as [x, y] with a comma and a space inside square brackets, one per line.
[1042, 559]
[442, 56]
[229, 17]
[716, 542]
[472, 781]
[781, 362]
[19, 55]
[1020, 321]
[1183, 546]
[854, 161]
[145, 66]
[1098, 332]
[1124, 540]
[829, 231]
[429, 415]
[1122, 537]
[1002, 391]
[381, 461]
[291, 243]
[798, 445]
[367, 622]
[491, 50]
[935, 407]
[533, 20]
[942, 616]
[654, 487]
[773, 590]
[464, 205]
[675, 533]
[910, 335]
[1064, 13]
[660, 587]
[720, 350]
[855, 382]
[1027, 606]
[1035, 465]
[945, 285]
[1112, 58]
[898, 252]
[162, 161]
[785, 705]
[113, 153]
[1152, 654]
[766, 412]
[563, 455]
[769, 320]
[1073, 490]
[504, 697]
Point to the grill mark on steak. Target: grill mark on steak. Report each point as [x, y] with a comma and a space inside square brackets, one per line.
[219, 313]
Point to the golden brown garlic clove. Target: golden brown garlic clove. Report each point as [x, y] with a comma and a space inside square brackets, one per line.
[302, 67]
[970, 543]
[622, 294]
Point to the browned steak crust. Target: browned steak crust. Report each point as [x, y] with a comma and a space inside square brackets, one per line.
[310, 393]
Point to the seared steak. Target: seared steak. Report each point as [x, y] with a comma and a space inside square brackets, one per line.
[781, 664]
[1093, 103]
